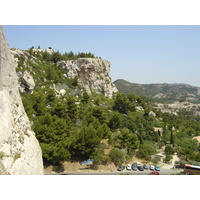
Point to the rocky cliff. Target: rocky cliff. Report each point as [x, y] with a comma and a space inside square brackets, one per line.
[92, 74]
[20, 152]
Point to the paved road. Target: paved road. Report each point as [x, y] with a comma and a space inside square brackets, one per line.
[163, 171]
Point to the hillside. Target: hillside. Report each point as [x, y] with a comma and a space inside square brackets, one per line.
[77, 113]
[160, 92]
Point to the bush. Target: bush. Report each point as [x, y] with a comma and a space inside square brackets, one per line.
[168, 157]
[155, 160]
[117, 156]
[146, 150]
[1, 155]
[169, 150]
[160, 144]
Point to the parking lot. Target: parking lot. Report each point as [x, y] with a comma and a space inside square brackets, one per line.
[137, 167]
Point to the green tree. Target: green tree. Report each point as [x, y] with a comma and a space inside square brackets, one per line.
[117, 156]
[85, 141]
[121, 103]
[146, 150]
[98, 154]
[72, 109]
[172, 138]
[46, 56]
[104, 131]
[71, 55]
[187, 148]
[115, 121]
[128, 139]
[169, 150]
[166, 134]
[85, 98]
[168, 157]
[50, 97]
[60, 110]
[98, 113]
[56, 56]
[53, 133]
[28, 105]
[39, 103]
[197, 157]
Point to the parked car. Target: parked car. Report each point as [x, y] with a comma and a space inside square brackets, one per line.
[157, 167]
[152, 167]
[120, 168]
[154, 173]
[140, 168]
[134, 167]
[136, 163]
[128, 167]
[146, 166]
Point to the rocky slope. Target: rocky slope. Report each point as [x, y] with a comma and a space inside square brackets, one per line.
[19, 149]
[91, 73]
[176, 108]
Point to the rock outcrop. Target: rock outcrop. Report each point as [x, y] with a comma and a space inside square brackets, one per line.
[179, 107]
[92, 74]
[20, 152]
[27, 82]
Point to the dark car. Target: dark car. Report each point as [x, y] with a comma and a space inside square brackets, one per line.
[146, 166]
[154, 173]
[134, 167]
[140, 168]
[120, 168]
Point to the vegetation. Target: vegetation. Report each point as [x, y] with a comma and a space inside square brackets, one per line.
[1, 155]
[160, 92]
[83, 126]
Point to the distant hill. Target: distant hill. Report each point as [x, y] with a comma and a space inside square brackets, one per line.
[161, 92]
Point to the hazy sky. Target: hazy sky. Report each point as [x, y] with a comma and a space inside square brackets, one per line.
[139, 54]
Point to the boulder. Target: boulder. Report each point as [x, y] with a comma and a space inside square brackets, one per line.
[28, 82]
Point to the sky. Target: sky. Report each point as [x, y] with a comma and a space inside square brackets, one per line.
[138, 53]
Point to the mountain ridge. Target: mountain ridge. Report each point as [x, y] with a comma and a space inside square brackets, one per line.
[160, 91]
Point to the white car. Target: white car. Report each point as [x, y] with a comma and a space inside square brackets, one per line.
[137, 163]
[128, 167]
[152, 167]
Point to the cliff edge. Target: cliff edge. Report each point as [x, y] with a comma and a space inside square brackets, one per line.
[20, 153]
[92, 73]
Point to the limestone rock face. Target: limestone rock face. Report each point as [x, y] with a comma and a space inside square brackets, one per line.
[92, 74]
[20, 152]
[27, 82]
